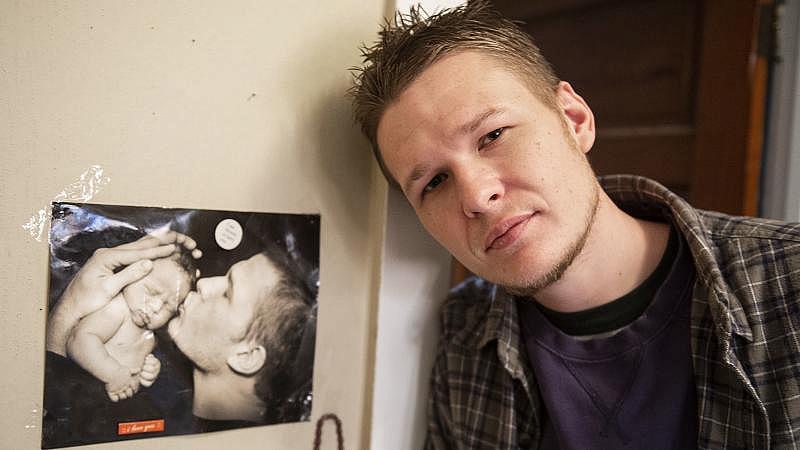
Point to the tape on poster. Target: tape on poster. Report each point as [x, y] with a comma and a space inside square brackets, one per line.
[34, 419]
[90, 182]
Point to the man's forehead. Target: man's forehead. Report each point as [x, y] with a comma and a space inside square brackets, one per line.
[434, 114]
[465, 78]
[256, 271]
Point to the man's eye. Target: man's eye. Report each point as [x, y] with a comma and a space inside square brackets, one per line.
[436, 181]
[491, 137]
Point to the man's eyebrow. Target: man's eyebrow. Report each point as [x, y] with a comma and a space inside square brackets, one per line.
[473, 124]
[417, 173]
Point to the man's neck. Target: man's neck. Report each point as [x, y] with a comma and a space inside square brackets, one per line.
[620, 253]
[225, 397]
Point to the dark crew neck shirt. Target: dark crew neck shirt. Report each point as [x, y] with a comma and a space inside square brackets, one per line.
[633, 389]
[622, 311]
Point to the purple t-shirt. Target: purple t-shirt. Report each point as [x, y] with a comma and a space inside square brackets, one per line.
[632, 390]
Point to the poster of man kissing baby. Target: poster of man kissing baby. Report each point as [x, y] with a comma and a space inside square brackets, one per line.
[176, 321]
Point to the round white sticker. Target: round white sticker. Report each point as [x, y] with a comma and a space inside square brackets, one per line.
[228, 234]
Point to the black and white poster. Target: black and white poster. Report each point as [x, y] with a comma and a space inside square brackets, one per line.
[177, 321]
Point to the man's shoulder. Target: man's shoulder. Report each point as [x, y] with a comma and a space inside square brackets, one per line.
[648, 199]
[750, 241]
[751, 254]
[724, 226]
[464, 312]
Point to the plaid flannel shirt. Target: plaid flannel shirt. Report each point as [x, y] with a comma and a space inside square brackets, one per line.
[745, 337]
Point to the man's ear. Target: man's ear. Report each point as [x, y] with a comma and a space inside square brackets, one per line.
[578, 115]
[247, 359]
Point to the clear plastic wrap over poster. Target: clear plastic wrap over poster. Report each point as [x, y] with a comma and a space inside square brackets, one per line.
[176, 321]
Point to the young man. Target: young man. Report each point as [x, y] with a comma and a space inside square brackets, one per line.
[613, 313]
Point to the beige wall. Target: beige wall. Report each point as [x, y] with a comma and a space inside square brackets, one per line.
[202, 104]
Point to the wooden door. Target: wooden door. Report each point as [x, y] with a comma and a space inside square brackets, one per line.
[677, 87]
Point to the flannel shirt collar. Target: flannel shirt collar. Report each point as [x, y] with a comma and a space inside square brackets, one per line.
[646, 198]
[643, 198]
[502, 325]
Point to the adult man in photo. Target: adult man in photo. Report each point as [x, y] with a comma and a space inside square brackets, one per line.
[249, 335]
[610, 312]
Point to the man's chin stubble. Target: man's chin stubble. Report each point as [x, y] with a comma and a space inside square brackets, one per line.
[555, 273]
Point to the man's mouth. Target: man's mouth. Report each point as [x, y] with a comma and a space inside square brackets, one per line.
[506, 232]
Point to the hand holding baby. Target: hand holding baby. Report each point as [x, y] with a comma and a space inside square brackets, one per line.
[97, 283]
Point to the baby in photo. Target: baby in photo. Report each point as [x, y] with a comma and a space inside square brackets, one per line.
[115, 343]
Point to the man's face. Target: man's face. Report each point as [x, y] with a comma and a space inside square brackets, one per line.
[214, 319]
[155, 298]
[497, 177]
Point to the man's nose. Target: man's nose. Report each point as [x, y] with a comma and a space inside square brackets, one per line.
[211, 287]
[480, 190]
